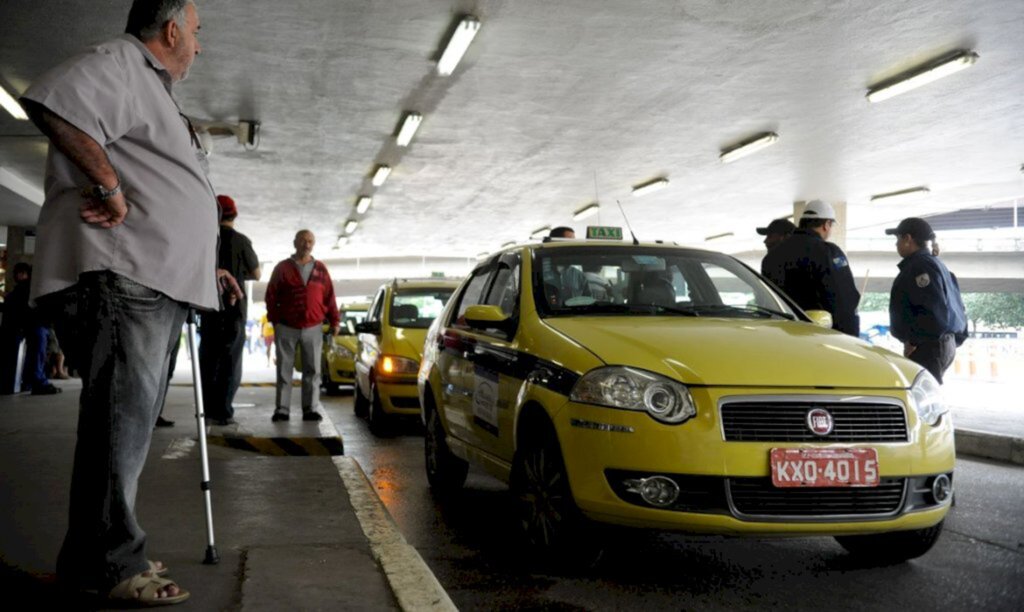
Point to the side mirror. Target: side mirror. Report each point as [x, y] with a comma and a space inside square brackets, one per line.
[487, 317]
[821, 318]
[368, 327]
[350, 326]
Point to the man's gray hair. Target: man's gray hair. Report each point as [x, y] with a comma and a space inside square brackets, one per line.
[147, 17]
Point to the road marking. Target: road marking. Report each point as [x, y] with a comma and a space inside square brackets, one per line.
[179, 448]
[414, 585]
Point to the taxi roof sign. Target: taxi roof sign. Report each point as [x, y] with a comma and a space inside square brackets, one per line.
[604, 232]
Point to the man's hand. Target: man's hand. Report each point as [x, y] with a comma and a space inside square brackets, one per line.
[228, 285]
[104, 213]
[335, 330]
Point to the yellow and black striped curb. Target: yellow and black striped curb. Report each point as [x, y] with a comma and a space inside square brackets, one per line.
[292, 446]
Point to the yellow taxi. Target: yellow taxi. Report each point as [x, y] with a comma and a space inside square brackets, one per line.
[391, 345]
[338, 367]
[663, 387]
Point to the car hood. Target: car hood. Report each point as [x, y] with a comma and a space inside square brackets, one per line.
[732, 352]
[349, 342]
[408, 342]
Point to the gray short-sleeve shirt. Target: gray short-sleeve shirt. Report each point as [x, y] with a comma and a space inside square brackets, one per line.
[120, 95]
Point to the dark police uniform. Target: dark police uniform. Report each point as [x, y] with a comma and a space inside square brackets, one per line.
[927, 311]
[816, 274]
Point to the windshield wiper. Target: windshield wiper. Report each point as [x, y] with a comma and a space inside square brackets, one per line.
[748, 309]
[612, 307]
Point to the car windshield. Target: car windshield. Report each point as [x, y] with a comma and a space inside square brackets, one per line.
[649, 281]
[349, 318]
[417, 308]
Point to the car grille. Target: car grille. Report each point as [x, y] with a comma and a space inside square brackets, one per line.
[757, 497]
[787, 422]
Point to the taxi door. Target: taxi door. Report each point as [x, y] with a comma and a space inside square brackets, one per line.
[483, 365]
[369, 343]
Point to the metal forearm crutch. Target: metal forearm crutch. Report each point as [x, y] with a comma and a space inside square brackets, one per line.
[211, 558]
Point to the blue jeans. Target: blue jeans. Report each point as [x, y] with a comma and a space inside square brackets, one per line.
[125, 333]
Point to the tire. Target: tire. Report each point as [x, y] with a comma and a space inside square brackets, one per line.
[891, 548]
[550, 521]
[380, 422]
[445, 471]
[360, 403]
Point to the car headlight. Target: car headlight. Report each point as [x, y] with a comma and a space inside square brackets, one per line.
[619, 387]
[340, 352]
[393, 364]
[926, 395]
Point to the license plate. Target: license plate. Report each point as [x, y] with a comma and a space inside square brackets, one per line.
[824, 467]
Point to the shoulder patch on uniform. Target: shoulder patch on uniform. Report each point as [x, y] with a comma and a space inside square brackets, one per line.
[839, 262]
[923, 280]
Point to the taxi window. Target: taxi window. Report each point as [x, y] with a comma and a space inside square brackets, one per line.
[505, 289]
[473, 293]
[378, 304]
[639, 281]
[417, 308]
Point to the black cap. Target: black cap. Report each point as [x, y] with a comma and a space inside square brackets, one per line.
[778, 226]
[918, 229]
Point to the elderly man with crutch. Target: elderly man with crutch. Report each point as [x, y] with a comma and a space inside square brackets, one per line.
[129, 231]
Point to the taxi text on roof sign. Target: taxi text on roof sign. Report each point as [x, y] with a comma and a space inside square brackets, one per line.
[603, 232]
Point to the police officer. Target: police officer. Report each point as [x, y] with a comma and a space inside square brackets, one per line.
[926, 311]
[816, 273]
[777, 231]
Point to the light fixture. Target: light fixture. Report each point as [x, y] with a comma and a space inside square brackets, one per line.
[914, 193]
[540, 232]
[508, 244]
[482, 255]
[649, 187]
[380, 175]
[717, 236]
[351, 226]
[11, 105]
[748, 146]
[342, 241]
[363, 204]
[463, 35]
[921, 75]
[586, 211]
[409, 127]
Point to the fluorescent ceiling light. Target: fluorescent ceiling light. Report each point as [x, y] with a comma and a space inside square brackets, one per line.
[380, 175]
[921, 75]
[904, 195]
[508, 244]
[650, 187]
[351, 226]
[11, 105]
[745, 148]
[342, 241]
[540, 232]
[464, 33]
[717, 236]
[586, 211]
[363, 204]
[409, 127]
[482, 255]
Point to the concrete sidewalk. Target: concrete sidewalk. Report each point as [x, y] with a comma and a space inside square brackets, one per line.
[292, 532]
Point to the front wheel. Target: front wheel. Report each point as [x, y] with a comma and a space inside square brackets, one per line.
[361, 404]
[895, 547]
[547, 513]
[445, 471]
[380, 421]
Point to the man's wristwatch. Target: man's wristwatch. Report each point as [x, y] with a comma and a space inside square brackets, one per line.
[99, 192]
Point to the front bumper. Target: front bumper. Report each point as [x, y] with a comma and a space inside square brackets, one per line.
[725, 486]
[399, 395]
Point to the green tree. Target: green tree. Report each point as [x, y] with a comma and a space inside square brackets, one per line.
[995, 309]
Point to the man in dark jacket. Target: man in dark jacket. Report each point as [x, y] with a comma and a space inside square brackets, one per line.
[223, 332]
[300, 296]
[814, 272]
[926, 310]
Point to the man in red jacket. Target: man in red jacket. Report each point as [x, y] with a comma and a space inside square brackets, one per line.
[300, 295]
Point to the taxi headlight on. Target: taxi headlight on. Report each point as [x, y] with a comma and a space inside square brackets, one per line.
[619, 387]
[393, 364]
[926, 396]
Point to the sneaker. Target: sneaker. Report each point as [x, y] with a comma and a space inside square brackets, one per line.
[279, 416]
[162, 422]
[46, 389]
[311, 415]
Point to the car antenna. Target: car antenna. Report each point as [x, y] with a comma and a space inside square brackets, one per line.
[630, 228]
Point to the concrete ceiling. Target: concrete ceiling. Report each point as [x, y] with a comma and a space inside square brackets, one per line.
[557, 104]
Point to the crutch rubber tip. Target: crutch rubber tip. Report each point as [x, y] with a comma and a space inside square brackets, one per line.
[212, 558]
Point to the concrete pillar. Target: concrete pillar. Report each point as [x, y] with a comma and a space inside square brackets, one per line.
[838, 236]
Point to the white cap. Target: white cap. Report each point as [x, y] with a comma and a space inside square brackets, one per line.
[816, 209]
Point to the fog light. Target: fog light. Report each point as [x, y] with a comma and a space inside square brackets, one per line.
[942, 488]
[658, 491]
